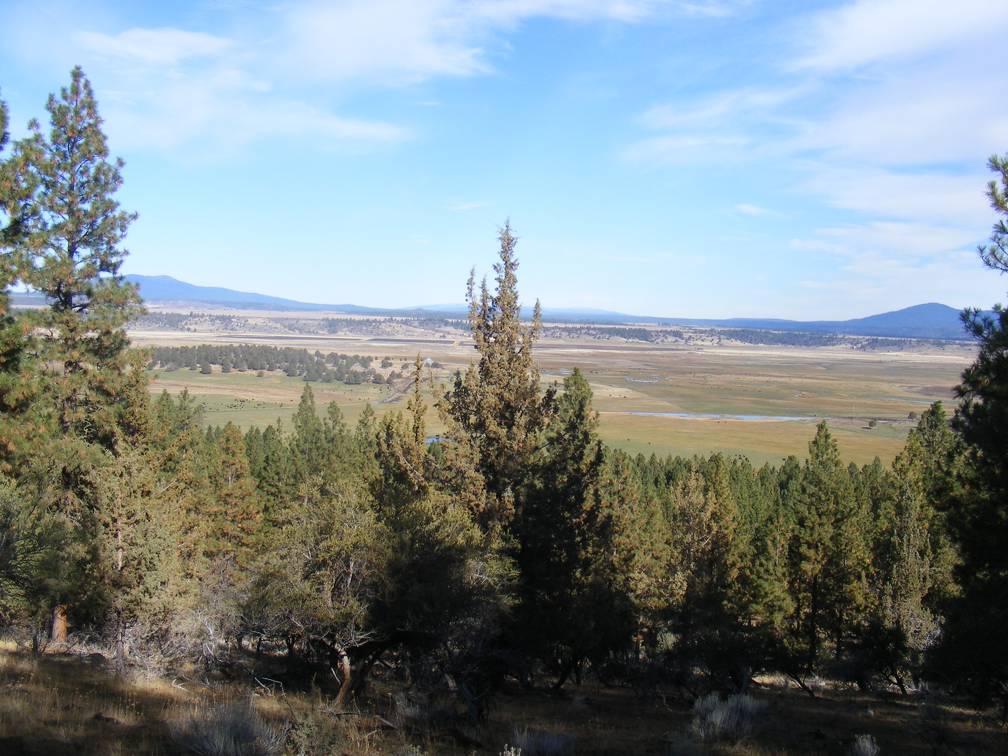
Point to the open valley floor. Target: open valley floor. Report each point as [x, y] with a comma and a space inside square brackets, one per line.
[665, 398]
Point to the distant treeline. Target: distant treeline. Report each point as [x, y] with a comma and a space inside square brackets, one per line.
[812, 339]
[630, 333]
[178, 321]
[312, 366]
[717, 335]
[380, 325]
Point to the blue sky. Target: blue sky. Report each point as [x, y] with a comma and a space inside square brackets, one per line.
[695, 158]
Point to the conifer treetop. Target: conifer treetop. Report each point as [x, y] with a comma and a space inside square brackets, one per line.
[995, 254]
[75, 239]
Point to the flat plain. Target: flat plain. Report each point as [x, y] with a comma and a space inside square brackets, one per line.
[759, 401]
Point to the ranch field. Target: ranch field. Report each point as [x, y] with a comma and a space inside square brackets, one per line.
[759, 401]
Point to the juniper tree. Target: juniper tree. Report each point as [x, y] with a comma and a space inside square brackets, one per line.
[761, 595]
[912, 558]
[134, 538]
[434, 581]
[275, 478]
[31, 549]
[498, 408]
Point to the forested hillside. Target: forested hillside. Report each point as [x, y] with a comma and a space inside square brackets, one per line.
[515, 550]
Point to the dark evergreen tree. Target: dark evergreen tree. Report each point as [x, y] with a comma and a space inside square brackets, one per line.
[73, 247]
[974, 652]
[18, 377]
[567, 609]
[234, 516]
[430, 596]
[995, 253]
[828, 553]
[93, 389]
[307, 444]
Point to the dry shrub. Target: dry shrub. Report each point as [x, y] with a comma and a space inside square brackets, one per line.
[732, 718]
[863, 745]
[316, 731]
[530, 742]
[232, 728]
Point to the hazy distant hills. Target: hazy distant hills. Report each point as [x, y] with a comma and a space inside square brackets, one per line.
[924, 321]
[163, 289]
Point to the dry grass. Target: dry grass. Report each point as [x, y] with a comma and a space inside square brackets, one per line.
[65, 705]
[832, 383]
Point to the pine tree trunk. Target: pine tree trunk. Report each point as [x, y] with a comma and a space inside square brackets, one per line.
[120, 649]
[565, 672]
[58, 624]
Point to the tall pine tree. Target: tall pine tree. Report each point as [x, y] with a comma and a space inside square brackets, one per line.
[94, 390]
[18, 381]
[73, 253]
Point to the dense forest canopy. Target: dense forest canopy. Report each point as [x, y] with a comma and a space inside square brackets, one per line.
[516, 547]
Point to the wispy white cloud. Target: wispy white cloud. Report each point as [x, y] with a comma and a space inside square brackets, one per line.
[219, 119]
[626, 11]
[923, 196]
[884, 110]
[870, 281]
[721, 108]
[896, 263]
[872, 31]
[403, 41]
[685, 148]
[721, 127]
[164, 87]
[942, 112]
[753, 211]
[913, 240]
[390, 41]
[163, 46]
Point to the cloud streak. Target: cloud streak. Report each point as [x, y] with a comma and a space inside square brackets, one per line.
[753, 211]
[169, 87]
[893, 127]
[163, 46]
[867, 32]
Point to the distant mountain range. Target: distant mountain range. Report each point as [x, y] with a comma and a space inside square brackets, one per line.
[924, 321]
[162, 289]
